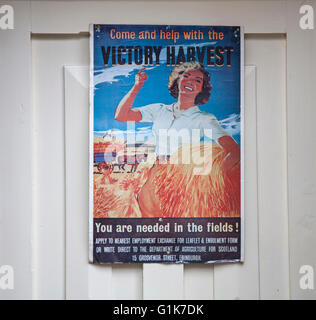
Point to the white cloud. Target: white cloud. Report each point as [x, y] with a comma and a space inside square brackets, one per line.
[231, 124]
[111, 74]
[140, 135]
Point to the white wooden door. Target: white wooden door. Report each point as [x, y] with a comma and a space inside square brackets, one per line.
[264, 96]
[44, 213]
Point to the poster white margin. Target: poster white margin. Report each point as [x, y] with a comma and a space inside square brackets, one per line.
[91, 133]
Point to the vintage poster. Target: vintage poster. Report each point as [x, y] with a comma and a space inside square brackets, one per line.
[166, 144]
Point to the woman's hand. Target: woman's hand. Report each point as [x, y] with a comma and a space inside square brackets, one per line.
[233, 152]
[140, 78]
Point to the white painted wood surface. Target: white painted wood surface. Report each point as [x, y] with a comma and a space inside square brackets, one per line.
[198, 282]
[269, 55]
[301, 153]
[241, 281]
[251, 14]
[16, 153]
[77, 158]
[32, 217]
[163, 281]
[49, 55]
[148, 281]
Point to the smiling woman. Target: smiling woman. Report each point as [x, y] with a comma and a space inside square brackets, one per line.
[172, 188]
[193, 75]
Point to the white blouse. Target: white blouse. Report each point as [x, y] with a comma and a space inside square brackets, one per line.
[173, 128]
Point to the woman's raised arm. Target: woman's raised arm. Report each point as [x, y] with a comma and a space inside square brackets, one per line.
[123, 111]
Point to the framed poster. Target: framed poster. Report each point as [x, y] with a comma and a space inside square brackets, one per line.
[166, 144]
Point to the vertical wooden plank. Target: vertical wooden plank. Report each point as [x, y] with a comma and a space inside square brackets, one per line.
[162, 281]
[49, 55]
[198, 282]
[100, 282]
[76, 161]
[127, 282]
[16, 151]
[241, 281]
[301, 142]
[267, 52]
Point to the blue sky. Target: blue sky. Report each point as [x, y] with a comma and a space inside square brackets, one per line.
[113, 82]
